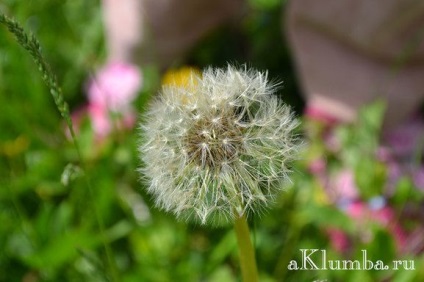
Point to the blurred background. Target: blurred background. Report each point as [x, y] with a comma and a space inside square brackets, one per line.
[358, 185]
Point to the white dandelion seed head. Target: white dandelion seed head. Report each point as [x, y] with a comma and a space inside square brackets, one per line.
[218, 147]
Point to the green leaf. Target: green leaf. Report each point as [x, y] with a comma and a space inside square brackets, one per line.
[63, 249]
[327, 216]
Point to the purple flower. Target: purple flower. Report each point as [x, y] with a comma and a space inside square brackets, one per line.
[404, 139]
[418, 177]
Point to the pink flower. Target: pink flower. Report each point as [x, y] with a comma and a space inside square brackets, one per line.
[418, 177]
[384, 154]
[404, 139]
[317, 166]
[343, 186]
[110, 95]
[103, 124]
[338, 239]
[115, 86]
[385, 216]
[111, 92]
[356, 210]
[100, 120]
[318, 114]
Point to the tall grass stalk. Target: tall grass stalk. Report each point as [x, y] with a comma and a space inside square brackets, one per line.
[33, 47]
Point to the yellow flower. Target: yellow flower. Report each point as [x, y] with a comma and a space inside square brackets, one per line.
[184, 77]
[180, 77]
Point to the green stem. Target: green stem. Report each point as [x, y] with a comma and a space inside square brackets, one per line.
[31, 44]
[247, 253]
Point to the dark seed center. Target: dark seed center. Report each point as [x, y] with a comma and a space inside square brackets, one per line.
[212, 142]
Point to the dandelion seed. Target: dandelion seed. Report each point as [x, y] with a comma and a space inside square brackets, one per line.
[229, 159]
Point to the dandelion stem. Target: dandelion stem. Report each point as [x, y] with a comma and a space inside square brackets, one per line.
[247, 253]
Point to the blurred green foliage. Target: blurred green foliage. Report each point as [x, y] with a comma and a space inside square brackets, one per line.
[67, 219]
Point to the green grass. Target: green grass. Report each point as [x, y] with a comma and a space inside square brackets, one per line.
[76, 211]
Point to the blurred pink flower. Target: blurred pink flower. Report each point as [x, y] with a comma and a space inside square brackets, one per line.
[338, 239]
[418, 177]
[356, 210]
[100, 121]
[343, 186]
[404, 139]
[318, 114]
[76, 116]
[385, 216]
[395, 172]
[317, 166]
[332, 142]
[115, 86]
[396, 152]
[110, 95]
[384, 154]
[98, 117]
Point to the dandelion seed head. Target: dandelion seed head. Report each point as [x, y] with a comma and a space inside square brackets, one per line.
[219, 146]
